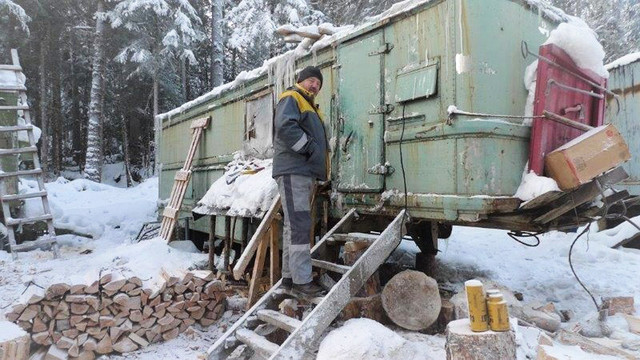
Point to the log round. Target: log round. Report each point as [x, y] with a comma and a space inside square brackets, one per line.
[464, 344]
[411, 299]
[14, 342]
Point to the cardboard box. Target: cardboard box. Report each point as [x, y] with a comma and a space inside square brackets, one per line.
[585, 157]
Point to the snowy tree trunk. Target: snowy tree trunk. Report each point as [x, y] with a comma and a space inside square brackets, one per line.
[93, 166]
[44, 123]
[125, 147]
[75, 108]
[56, 102]
[157, 126]
[216, 43]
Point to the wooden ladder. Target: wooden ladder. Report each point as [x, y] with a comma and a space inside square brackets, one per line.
[181, 181]
[22, 107]
[244, 338]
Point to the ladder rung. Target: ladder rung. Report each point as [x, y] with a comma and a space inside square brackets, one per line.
[256, 342]
[16, 128]
[15, 107]
[11, 67]
[12, 221]
[20, 173]
[30, 245]
[336, 268]
[170, 213]
[29, 149]
[279, 320]
[23, 196]
[12, 88]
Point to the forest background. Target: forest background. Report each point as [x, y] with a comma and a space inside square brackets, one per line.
[98, 71]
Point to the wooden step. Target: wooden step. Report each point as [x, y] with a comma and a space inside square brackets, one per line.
[12, 221]
[278, 319]
[11, 67]
[259, 344]
[366, 238]
[340, 269]
[23, 196]
[21, 173]
[15, 128]
[30, 149]
[31, 245]
[13, 88]
[14, 107]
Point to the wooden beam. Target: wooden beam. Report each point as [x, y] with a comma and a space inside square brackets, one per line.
[274, 259]
[256, 239]
[258, 267]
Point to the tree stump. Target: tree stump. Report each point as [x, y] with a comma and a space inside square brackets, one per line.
[411, 299]
[14, 342]
[464, 344]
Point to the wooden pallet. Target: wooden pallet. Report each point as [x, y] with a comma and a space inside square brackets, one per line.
[245, 335]
[181, 181]
[22, 107]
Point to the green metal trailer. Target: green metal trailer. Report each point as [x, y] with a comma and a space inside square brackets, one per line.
[387, 87]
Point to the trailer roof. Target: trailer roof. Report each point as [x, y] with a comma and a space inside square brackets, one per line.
[397, 10]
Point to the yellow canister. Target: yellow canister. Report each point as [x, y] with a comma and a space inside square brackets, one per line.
[498, 313]
[478, 316]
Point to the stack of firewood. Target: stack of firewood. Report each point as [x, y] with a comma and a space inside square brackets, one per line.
[117, 313]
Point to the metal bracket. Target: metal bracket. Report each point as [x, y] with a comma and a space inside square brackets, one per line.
[384, 49]
[384, 109]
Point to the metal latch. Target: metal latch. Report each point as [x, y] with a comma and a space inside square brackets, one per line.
[379, 169]
[384, 49]
[384, 109]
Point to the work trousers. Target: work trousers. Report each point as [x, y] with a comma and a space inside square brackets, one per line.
[295, 193]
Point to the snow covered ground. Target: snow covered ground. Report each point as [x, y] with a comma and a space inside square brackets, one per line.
[113, 216]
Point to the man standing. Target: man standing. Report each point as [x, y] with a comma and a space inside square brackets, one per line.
[300, 154]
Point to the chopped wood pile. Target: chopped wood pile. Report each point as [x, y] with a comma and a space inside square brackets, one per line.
[116, 313]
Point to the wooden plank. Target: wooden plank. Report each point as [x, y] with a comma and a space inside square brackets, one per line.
[28, 149]
[31, 220]
[200, 123]
[15, 107]
[170, 213]
[259, 344]
[279, 320]
[23, 196]
[583, 194]
[11, 67]
[274, 252]
[541, 200]
[258, 267]
[355, 237]
[182, 175]
[36, 244]
[21, 173]
[336, 268]
[256, 239]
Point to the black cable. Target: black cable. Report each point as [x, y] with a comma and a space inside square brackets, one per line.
[525, 234]
[574, 271]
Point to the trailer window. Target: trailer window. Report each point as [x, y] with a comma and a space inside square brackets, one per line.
[258, 135]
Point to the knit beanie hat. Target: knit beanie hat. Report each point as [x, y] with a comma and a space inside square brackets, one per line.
[310, 71]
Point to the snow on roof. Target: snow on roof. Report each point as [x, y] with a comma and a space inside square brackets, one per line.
[624, 60]
[246, 189]
[271, 65]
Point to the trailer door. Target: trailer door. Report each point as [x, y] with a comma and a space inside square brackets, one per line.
[361, 114]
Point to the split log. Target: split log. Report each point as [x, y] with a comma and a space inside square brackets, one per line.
[464, 344]
[56, 291]
[138, 340]
[411, 299]
[33, 294]
[56, 353]
[104, 346]
[14, 343]
[125, 345]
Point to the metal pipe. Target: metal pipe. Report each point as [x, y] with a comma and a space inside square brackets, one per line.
[566, 121]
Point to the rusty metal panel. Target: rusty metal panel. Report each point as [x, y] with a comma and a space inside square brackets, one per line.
[360, 102]
[624, 114]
